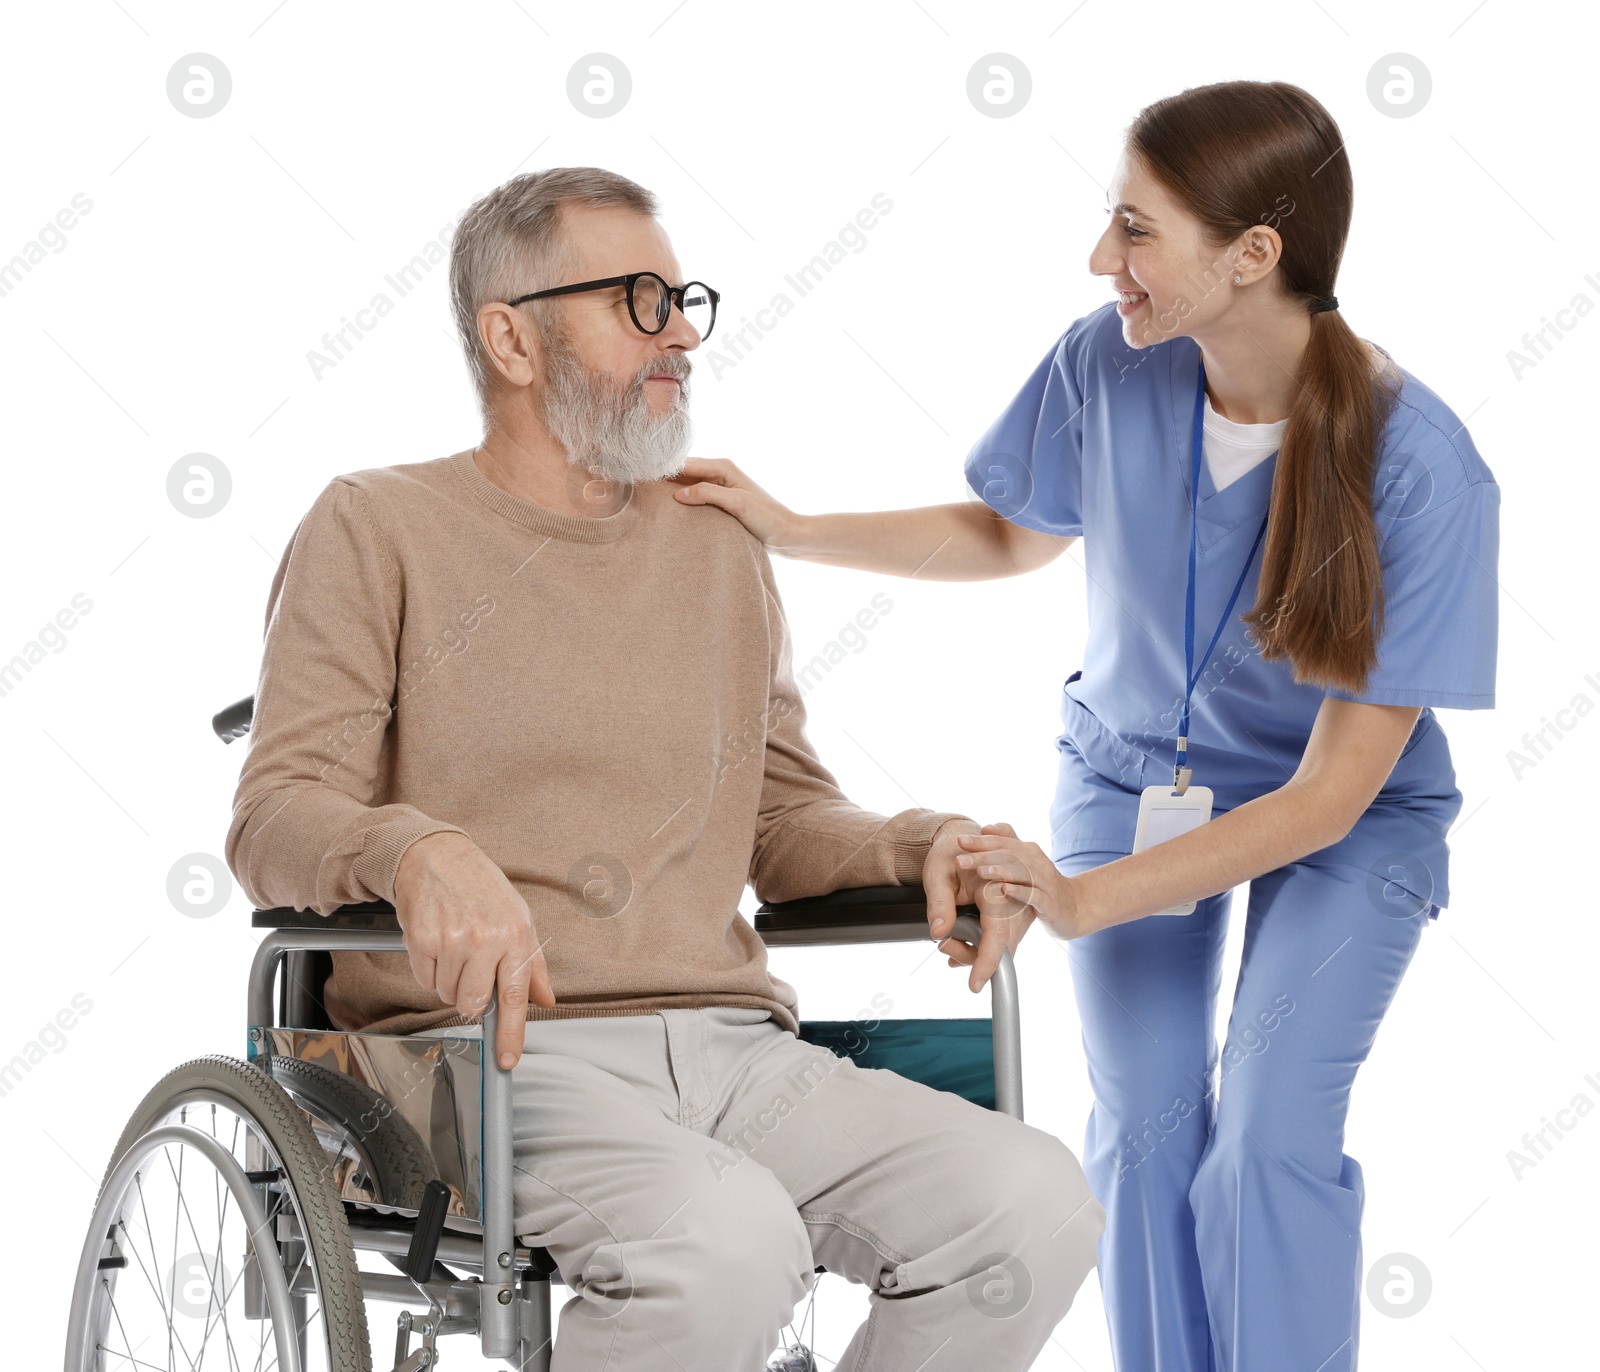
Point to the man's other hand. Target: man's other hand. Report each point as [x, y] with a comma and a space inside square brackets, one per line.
[470, 934]
[1004, 920]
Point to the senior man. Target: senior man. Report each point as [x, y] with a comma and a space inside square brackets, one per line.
[550, 712]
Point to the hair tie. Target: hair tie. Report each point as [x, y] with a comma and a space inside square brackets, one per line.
[1317, 306]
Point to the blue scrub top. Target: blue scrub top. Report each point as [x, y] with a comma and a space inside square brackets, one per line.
[1096, 443]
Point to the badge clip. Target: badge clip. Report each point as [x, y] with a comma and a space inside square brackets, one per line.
[1180, 778]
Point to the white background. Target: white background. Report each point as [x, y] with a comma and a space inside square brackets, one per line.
[178, 316]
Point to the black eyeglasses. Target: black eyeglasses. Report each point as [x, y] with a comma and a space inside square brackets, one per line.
[650, 300]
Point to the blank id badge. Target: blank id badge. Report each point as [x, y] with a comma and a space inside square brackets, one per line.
[1164, 814]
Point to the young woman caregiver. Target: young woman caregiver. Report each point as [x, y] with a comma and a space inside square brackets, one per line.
[1303, 757]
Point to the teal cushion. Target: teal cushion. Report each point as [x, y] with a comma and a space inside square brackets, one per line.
[947, 1054]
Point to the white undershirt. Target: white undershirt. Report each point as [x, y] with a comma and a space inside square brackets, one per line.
[1233, 449]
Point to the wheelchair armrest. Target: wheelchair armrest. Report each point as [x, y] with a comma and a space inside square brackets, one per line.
[371, 914]
[858, 914]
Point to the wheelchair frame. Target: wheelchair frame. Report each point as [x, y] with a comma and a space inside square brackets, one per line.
[507, 1304]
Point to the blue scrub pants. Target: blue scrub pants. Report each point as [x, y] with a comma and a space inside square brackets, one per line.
[1232, 1239]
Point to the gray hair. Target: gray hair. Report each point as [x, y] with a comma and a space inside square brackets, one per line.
[512, 241]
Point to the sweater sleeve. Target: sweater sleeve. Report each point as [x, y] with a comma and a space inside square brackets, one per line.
[306, 831]
[810, 839]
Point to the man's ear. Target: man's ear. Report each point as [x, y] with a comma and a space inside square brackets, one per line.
[511, 340]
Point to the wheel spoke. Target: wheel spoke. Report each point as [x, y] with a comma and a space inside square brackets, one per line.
[154, 1276]
[117, 1315]
[223, 1195]
[150, 1279]
[227, 1332]
[279, 1201]
[221, 1306]
[302, 1329]
[183, 1205]
[132, 1361]
[268, 1238]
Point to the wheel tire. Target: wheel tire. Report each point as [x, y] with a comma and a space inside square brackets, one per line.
[395, 1155]
[252, 1094]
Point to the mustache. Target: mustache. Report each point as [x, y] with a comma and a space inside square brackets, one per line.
[673, 364]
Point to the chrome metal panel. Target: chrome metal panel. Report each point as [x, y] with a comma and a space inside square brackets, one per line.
[392, 1112]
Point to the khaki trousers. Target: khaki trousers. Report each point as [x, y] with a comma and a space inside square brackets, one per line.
[689, 1169]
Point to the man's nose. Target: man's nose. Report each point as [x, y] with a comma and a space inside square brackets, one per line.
[679, 332]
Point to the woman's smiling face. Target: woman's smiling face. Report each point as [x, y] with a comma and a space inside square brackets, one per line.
[1154, 256]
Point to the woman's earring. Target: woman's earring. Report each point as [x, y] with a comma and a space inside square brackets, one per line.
[1236, 280]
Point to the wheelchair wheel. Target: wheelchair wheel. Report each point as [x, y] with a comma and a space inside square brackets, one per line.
[218, 1240]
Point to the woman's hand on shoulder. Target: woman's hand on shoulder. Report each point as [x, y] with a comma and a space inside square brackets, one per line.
[717, 481]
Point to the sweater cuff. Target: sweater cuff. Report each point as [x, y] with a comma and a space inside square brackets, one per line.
[380, 855]
[915, 837]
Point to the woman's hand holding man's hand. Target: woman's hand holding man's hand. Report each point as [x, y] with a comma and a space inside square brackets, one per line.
[1019, 883]
[1012, 883]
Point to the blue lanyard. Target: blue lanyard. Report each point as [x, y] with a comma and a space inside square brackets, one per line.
[1191, 672]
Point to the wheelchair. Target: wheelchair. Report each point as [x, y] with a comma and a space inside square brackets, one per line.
[235, 1205]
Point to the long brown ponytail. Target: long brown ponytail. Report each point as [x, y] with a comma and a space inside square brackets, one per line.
[1241, 153]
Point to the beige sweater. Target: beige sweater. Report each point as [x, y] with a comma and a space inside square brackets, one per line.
[606, 706]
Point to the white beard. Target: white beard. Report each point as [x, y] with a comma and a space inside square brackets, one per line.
[608, 428]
